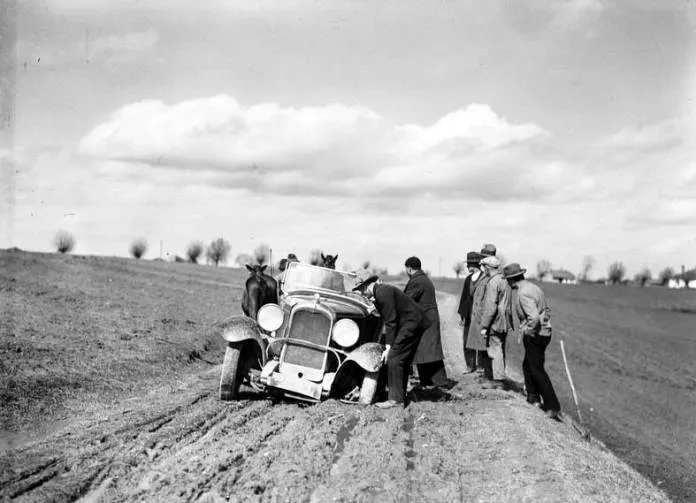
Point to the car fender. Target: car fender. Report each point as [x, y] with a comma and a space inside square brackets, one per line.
[368, 356]
[244, 329]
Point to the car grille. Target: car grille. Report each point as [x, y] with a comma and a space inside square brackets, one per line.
[312, 327]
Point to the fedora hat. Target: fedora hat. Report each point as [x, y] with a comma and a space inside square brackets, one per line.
[473, 258]
[363, 278]
[488, 249]
[513, 270]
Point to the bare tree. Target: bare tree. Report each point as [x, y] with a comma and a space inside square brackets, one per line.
[194, 251]
[665, 275]
[587, 264]
[616, 272]
[218, 251]
[138, 248]
[244, 259]
[643, 276]
[315, 257]
[366, 264]
[542, 267]
[458, 268]
[262, 254]
[64, 241]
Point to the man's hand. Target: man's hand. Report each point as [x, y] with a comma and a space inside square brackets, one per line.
[462, 323]
[385, 354]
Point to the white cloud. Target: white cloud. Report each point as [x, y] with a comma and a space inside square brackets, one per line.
[124, 47]
[335, 149]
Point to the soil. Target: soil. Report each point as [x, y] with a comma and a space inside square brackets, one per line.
[169, 438]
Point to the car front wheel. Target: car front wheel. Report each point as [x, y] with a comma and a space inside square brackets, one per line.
[368, 388]
[230, 377]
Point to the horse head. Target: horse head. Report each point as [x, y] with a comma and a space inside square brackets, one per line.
[329, 261]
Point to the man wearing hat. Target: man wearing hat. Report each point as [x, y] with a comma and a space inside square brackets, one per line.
[466, 302]
[534, 314]
[429, 357]
[404, 324]
[495, 318]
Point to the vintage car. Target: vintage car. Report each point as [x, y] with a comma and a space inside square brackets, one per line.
[321, 340]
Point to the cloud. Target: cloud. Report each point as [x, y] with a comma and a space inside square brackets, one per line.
[334, 150]
[123, 48]
[571, 14]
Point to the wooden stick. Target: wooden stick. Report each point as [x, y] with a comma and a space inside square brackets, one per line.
[572, 387]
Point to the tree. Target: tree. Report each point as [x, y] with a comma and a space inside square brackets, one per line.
[366, 264]
[194, 251]
[643, 276]
[458, 268]
[542, 267]
[616, 272]
[587, 264]
[315, 257]
[244, 259]
[218, 251]
[64, 241]
[665, 275]
[262, 254]
[138, 248]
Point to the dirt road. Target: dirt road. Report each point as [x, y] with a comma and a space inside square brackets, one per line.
[180, 443]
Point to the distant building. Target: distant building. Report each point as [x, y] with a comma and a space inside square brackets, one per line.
[559, 276]
[687, 279]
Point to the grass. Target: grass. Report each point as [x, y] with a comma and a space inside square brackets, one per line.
[75, 326]
[632, 355]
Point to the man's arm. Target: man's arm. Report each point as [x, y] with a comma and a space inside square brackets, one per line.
[387, 305]
[531, 314]
[414, 290]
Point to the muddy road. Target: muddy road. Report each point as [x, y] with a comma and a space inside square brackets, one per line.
[180, 443]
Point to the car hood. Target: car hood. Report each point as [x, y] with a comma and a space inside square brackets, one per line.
[342, 305]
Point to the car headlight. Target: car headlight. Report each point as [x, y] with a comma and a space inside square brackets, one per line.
[345, 333]
[270, 317]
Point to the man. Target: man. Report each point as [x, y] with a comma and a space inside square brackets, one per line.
[533, 311]
[404, 324]
[429, 356]
[495, 319]
[472, 360]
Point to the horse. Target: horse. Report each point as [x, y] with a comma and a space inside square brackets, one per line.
[259, 289]
[329, 261]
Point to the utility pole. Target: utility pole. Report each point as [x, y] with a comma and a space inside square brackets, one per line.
[440, 266]
[160, 248]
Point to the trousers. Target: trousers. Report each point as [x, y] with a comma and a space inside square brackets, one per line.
[400, 359]
[432, 373]
[536, 380]
[496, 353]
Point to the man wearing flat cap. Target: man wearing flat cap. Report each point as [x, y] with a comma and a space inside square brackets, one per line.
[429, 357]
[404, 324]
[466, 302]
[533, 311]
[495, 318]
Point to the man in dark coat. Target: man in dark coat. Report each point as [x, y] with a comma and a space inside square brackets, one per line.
[404, 324]
[472, 357]
[429, 356]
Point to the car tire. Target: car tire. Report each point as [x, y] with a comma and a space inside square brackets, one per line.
[230, 378]
[368, 388]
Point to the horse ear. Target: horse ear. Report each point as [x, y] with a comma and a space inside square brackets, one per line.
[262, 268]
[322, 256]
[335, 257]
[249, 268]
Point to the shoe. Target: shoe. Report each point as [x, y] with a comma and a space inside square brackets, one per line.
[554, 414]
[468, 371]
[389, 404]
[493, 385]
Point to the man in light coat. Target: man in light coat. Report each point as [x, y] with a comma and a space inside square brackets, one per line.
[533, 311]
[429, 357]
[472, 358]
[495, 319]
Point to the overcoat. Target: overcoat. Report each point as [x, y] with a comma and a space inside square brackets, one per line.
[474, 339]
[421, 290]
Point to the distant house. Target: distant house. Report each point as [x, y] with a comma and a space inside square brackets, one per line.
[687, 279]
[559, 276]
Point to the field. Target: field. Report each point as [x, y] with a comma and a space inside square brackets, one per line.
[109, 372]
[632, 354]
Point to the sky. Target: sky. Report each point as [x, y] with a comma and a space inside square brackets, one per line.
[556, 130]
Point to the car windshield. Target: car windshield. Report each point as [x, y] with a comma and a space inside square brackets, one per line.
[301, 276]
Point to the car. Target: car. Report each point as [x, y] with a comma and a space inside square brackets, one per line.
[321, 340]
